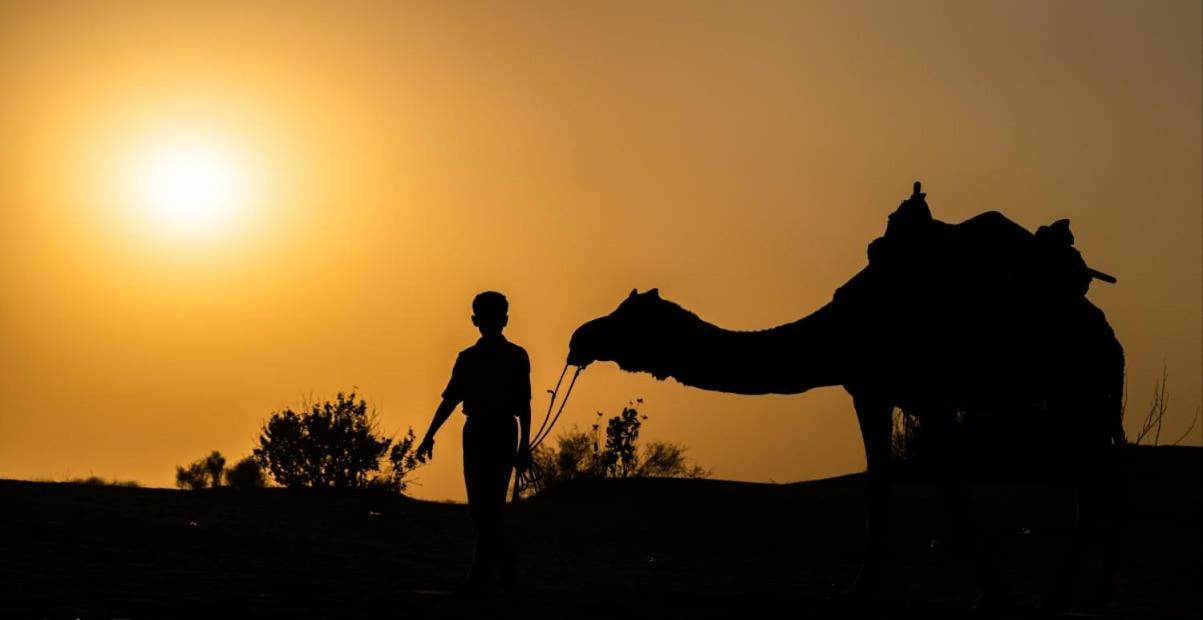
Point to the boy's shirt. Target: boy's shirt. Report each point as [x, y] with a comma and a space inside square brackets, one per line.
[491, 377]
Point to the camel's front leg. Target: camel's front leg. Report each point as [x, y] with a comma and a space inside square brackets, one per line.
[875, 417]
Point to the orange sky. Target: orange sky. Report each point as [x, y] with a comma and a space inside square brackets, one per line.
[398, 158]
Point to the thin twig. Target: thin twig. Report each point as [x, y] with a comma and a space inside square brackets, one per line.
[1188, 429]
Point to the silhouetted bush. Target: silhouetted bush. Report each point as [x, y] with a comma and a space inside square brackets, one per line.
[620, 457]
[573, 457]
[579, 454]
[401, 461]
[191, 477]
[661, 459]
[203, 473]
[215, 466]
[334, 444]
[98, 481]
[246, 474]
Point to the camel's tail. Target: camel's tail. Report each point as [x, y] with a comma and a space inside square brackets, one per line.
[1104, 357]
[1116, 384]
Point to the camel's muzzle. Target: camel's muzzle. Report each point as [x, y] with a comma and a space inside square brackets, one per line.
[583, 348]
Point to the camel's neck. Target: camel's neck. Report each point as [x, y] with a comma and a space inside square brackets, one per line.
[787, 359]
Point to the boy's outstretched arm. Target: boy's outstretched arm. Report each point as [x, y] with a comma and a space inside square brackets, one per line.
[453, 395]
[444, 411]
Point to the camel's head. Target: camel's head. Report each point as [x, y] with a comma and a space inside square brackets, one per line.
[639, 335]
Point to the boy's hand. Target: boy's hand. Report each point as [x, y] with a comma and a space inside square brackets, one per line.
[425, 449]
[525, 460]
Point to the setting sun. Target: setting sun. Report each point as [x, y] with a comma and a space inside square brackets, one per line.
[187, 185]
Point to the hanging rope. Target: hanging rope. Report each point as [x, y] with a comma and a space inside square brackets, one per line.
[532, 476]
[535, 443]
[552, 403]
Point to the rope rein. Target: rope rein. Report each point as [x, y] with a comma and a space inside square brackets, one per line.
[553, 392]
[539, 438]
[532, 476]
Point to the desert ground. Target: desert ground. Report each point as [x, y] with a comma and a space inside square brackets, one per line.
[605, 548]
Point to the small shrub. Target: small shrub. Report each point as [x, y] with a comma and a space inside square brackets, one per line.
[192, 477]
[246, 474]
[334, 444]
[667, 460]
[202, 473]
[402, 460]
[98, 481]
[578, 454]
[572, 458]
[620, 459]
[215, 466]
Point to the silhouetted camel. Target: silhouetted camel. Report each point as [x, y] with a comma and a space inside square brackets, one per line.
[960, 339]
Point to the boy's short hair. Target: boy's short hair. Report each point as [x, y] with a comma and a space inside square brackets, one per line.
[490, 305]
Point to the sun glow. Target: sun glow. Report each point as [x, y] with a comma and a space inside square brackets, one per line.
[188, 185]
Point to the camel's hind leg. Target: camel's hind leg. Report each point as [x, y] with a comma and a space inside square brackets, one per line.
[1088, 401]
[1101, 507]
[1093, 438]
[949, 470]
[1114, 503]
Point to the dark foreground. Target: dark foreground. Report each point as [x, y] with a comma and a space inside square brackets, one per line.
[646, 548]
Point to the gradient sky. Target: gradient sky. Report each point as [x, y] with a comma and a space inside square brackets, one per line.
[396, 158]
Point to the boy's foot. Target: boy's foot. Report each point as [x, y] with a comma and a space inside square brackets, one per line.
[471, 587]
[509, 579]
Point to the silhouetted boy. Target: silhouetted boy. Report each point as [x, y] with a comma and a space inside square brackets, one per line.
[492, 379]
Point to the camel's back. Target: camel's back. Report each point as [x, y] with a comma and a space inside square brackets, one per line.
[984, 313]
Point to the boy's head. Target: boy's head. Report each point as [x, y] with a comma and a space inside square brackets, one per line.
[489, 312]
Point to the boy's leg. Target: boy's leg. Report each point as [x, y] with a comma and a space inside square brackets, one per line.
[488, 460]
[505, 554]
[476, 485]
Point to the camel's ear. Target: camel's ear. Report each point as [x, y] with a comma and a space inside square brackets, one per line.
[654, 293]
[634, 292]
